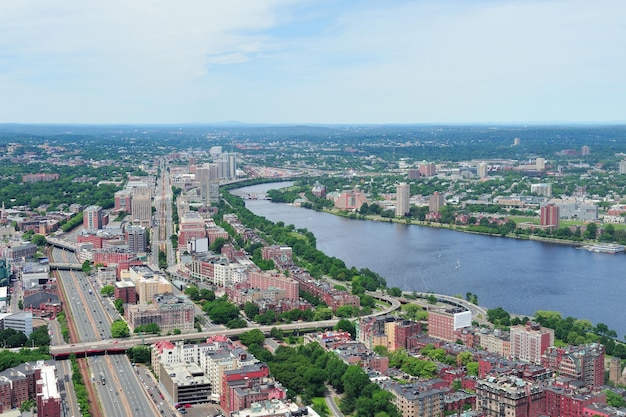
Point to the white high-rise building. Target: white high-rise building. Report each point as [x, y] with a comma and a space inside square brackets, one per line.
[403, 194]
[482, 170]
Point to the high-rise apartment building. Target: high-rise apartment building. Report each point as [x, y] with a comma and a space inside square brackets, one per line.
[550, 216]
[530, 341]
[435, 202]
[92, 217]
[482, 170]
[622, 167]
[585, 150]
[427, 169]
[403, 194]
[141, 210]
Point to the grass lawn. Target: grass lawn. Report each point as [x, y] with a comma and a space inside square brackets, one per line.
[319, 405]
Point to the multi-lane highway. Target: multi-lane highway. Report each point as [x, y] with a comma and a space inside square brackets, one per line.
[120, 392]
[92, 319]
[64, 373]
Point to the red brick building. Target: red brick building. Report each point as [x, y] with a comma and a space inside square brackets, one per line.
[265, 280]
[570, 403]
[584, 363]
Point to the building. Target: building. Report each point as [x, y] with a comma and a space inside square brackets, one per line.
[417, 400]
[541, 189]
[481, 170]
[442, 324]
[550, 216]
[191, 226]
[48, 397]
[403, 194]
[125, 290]
[540, 164]
[427, 169]
[509, 397]
[92, 218]
[585, 150]
[530, 341]
[137, 238]
[584, 363]
[622, 167]
[185, 383]
[435, 202]
[21, 322]
[168, 311]
[350, 200]
[148, 283]
[280, 254]
[141, 208]
[123, 201]
[264, 280]
[567, 402]
[39, 177]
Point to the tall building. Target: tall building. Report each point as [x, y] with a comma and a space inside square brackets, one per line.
[232, 166]
[141, 209]
[516, 141]
[435, 202]
[92, 217]
[540, 164]
[585, 150]
[530, 341]
[482, 170]
[427, 169]
[137, 238]
[403, 194]
[122, 201]
[550, 216]
[622, 167]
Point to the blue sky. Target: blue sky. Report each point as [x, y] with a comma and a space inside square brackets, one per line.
[312, 61]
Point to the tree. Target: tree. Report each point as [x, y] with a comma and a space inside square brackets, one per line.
[107, 291]
[217, 245]
[591, 231]
[472, 368]
[250, 309]
[39, 240]
[119, 305]
[119, 329]
[346, 326]
[394, 292]
[253, 337]
[354, 380]
[193, 293]
[344, 311]
[86, 267]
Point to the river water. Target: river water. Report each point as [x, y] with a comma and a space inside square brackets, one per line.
[519, 275]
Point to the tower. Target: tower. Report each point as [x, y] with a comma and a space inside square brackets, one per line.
[403, 191]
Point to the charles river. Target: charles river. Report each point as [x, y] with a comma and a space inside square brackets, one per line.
[518, 275]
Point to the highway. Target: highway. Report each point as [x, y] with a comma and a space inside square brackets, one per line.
[92, 320]
[64, 373]
[120, 392]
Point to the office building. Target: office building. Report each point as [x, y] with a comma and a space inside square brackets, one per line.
[141, 209]
[530, 341]
[185, 383]
[170, 312]
[92, 217]
[403, 194]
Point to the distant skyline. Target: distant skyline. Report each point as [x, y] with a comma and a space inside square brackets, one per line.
[312, 61]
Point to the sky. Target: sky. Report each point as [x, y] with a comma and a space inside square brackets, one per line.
[312, 61]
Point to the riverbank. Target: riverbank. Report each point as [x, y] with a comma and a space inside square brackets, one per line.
[455, 227]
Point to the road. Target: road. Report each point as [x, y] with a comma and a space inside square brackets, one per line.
[92, 319]
[64, 373]
[119, 390]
